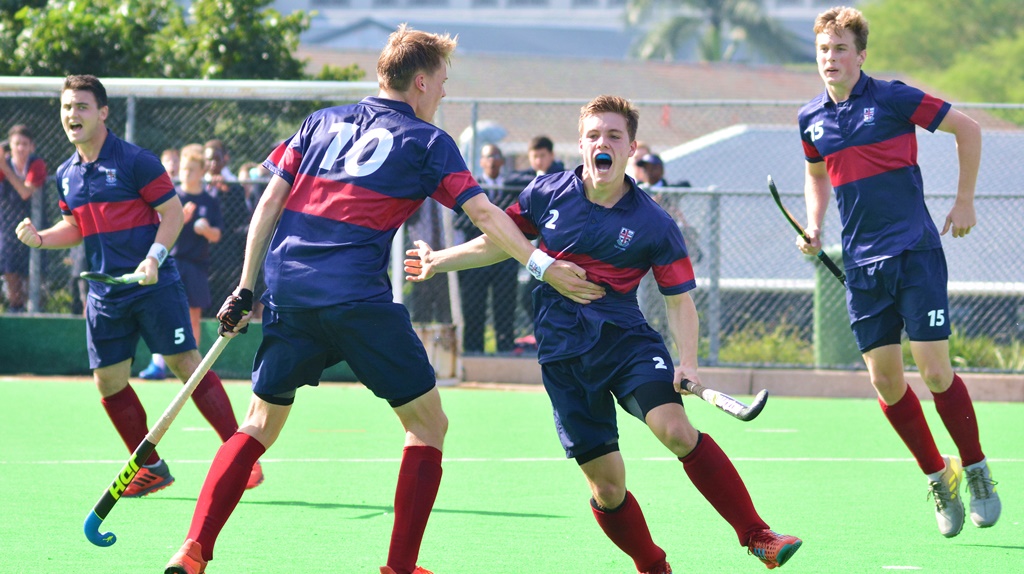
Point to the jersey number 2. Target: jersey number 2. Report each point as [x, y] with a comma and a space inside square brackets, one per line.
[343, 134]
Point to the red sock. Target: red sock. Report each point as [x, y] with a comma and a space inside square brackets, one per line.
[716, 478]
[223, 488]
[212, 401]
[957, 413]
[418, 480]
[908, 419]
[626, 527]
[129, 417]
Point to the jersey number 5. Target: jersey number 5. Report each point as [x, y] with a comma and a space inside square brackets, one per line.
[343, 134]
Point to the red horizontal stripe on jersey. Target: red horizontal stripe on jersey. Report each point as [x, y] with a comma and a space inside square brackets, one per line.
[622, 280]
[678, 272]
[811, 152]
[157, 188]
[349, 203]
[108, 217]
[926, 111]
[451, 186]
[859, 162]
[525, 225]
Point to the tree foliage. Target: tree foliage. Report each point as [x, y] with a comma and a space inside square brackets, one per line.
[962, 46]
[217, 39]
[719, 27]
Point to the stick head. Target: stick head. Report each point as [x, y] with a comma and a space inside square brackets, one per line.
[92, 531]
[111, 280]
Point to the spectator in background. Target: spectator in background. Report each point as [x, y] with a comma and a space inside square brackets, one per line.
[222, 184]
[106, 170]
[171, 160]
[22, 175]
[192, 249]
[642, 149]
[499, 280]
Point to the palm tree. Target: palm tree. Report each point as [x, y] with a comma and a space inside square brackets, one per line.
[719, 26]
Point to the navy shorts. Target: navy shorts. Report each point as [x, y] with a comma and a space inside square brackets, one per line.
[196, 279]
[907, 291]
[160, 316]
[583, 390]
[376, 339]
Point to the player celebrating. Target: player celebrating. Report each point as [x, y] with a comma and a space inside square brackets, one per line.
[858, 138]
[118, 200]
[342, 186]
[593, 355]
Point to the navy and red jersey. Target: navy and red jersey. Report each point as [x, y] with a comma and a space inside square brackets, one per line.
[112, 200]
[191, 245]
[357, 173]
[13, 208]
[869, 146]
[616, 247]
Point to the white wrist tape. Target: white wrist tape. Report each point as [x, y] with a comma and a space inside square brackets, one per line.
[539, 263]
[158, 252]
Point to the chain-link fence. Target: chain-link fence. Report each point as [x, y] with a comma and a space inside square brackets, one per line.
[760, 301]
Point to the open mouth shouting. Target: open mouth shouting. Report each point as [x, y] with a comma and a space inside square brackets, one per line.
[603, 162]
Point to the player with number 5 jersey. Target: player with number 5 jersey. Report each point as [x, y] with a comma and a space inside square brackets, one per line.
[595, 355]
[859, 139]
[117, 199]
[341, 187]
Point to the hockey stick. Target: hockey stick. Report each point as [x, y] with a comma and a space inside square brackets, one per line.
[146, 448]
[727, 403]
[110, 279]
[822, 256]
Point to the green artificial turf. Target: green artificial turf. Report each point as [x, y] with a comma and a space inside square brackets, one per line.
[830, 471]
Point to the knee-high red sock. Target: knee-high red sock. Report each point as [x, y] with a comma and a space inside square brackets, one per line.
[212, 401]
[129, 417]
[957, 412]
[626, 527]
[418, 480]
[223, 488]
[908, 419]
[716, 478]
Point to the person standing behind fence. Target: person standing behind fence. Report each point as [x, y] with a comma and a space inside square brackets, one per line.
[501, 280]
[22, 175]
[859, 140]
[220, 183]
[343, 185]
[117, 199]
[202, 226]
[594, 356]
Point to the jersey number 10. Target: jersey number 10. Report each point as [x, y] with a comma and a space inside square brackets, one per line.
[343, 134]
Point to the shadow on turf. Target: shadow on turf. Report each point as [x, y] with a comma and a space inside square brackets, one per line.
[377, 509]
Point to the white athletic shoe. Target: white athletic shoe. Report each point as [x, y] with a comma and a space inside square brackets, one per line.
[949, 506]
[985, 504]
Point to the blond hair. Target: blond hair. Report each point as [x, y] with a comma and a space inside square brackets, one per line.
[409, 52]
[192, 152]
[839, 18]
[615, 105]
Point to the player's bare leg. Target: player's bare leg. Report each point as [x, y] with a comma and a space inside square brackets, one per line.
[419, 478]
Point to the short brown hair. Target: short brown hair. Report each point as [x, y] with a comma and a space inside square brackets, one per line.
[20, 130]
[839, 18]
[615, 105]
[411, 51]
[87, 83]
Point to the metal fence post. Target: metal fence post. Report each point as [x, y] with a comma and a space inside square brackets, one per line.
[714, 318]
